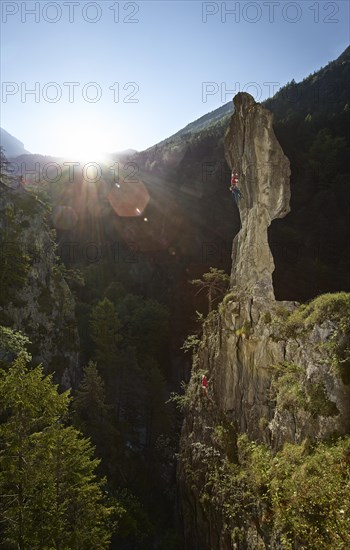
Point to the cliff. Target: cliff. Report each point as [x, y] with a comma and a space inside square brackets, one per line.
[35, 298]
[277, 371]
[252, 148]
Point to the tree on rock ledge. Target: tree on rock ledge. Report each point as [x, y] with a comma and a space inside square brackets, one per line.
[214, 282]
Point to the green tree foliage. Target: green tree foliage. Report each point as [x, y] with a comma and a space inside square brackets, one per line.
[114, 292]
[130, 337]
[106, 333]
[310, 495]
[135, 529]
[327, 155]
[51, 497]
[293, 391]
[92, 415]
[145, 325]
[299, 497]
[214, 283]
[105, 329]
[90, 400]
[311, 122]
[12, 343]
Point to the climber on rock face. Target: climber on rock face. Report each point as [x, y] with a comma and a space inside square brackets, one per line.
[233, 187]
[234, 178]
[205, 385]
[236, 194]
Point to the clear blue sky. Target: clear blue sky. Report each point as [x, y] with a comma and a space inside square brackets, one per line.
[160, 54]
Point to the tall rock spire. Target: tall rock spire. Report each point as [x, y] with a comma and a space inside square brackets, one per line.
[252, 149]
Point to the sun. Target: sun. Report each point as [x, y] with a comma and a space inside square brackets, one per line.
[83, 140]
[82, 144]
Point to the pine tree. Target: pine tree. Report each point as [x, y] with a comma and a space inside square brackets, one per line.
[214, 282]
[92, 416]
[90, 400]
[12, 343]
[51, 497]
[105, 328]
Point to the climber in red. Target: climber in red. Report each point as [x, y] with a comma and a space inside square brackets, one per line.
[233, 187]
[234, 179]
[205, 385]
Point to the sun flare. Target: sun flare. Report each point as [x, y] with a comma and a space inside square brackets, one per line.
[83, 145]
[85, 141]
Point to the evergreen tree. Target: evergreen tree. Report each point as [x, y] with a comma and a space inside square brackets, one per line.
[51, 498]
[90, 400]
[12, 343]
[145, 325]
[214, 283]
[105, 328]
[92, 416]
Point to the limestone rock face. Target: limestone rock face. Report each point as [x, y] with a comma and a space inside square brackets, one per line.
[43, 308]
[240, 347]
[251, 148]
[244, 345]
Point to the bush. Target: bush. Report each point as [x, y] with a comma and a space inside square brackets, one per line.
[292, 391]
[327, 307]
[299, 498]
[310, 495]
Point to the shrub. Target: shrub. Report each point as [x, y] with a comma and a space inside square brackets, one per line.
[293, 391]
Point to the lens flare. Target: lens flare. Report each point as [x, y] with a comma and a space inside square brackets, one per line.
[129, 199]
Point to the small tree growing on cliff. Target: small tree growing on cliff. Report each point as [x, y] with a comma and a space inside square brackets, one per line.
[214, 283]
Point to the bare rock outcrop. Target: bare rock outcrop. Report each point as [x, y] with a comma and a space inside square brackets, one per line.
[252, 149]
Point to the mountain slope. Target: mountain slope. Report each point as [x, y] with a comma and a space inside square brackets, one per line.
[324, 91]
[11, 145]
